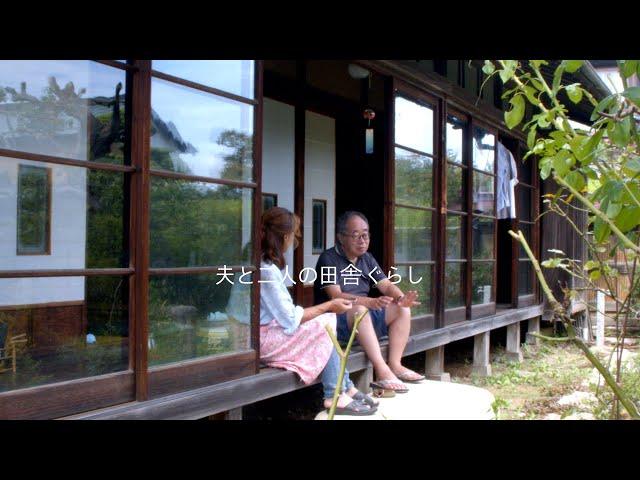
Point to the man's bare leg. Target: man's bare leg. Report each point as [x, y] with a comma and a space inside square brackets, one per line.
[369, 341]
[398, 321]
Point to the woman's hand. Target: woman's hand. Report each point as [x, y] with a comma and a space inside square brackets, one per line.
[340, 305]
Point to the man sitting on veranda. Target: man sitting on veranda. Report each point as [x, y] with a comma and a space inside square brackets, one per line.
[389, 314]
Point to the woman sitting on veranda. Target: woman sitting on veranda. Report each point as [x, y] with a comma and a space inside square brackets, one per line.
[293, 337]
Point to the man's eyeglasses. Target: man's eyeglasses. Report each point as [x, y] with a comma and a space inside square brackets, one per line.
[355, 237]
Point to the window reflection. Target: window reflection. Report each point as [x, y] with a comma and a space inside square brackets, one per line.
[424, 273]
[482, 282]
[73, 109]
[201, 134]
[233, 76]
[455, 132]
[484, 146]
[413, 125]
[196, 224]
[190, 316]
[412, 234]
[483, 194]
[87, 218]
[483, 237]
[414, 178]
[453, 292]
[62, 328]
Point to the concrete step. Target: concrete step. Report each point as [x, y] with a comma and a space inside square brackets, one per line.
[432, 400]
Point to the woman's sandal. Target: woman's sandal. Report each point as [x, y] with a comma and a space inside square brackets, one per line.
[355, 408]
[386, 386]
[366, 399]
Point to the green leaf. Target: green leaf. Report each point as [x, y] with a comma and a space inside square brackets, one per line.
[545, 168]
[531, 137]
[538, 63]
[594, 275]
[633, 94]
[514, 116]
[601, 230]
[557, 78]
[576, 180]
[613, 209]
[488, 67]
[633, 164]
[536, 83]
[590, 265]
[508, 70]
[585, 153]
[629, 68]
[561, 164]
[628, 218]
[621, 131]
[602, 106]
[574, 92]
[572, 66]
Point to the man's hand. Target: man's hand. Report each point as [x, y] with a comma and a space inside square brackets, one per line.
[380, 303]
[409, 299]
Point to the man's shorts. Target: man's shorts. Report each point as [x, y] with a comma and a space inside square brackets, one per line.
[377, 318]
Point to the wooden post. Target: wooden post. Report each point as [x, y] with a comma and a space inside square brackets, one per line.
[533, 326]
[363, 379]
[434, 365]
[513, 352]
[481, 359]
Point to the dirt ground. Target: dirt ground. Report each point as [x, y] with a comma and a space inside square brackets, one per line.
[554, 381]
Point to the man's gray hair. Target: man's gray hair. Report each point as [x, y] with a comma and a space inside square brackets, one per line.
[341, 224]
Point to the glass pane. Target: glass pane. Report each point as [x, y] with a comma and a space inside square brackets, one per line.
[454, 287]
[421, 276]
[525, 278]
[88, 218]
[455, 236]
[190, 316]
[413, 125]
[233, 76]
[198, 133]
[455, 191]
[63, 108]
[412, 234]
[196, 224]
[484, 147]
[482, 237]
[482, 283]
[453, 67]
[523, 202]
[525, 228]
[455, 136]
[483, 194]
[62, 328]
[34, 210]
[525, 167]
[319, 216]
[269, 201]
[414, 178]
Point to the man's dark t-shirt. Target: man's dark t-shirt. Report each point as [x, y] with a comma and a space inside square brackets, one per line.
[347, 275]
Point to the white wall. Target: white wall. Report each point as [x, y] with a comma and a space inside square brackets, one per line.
[278, 156]
[68, 236]
[320, 178]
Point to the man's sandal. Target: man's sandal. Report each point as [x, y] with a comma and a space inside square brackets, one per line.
[389, 385]
[355, 408]
[410, 376]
